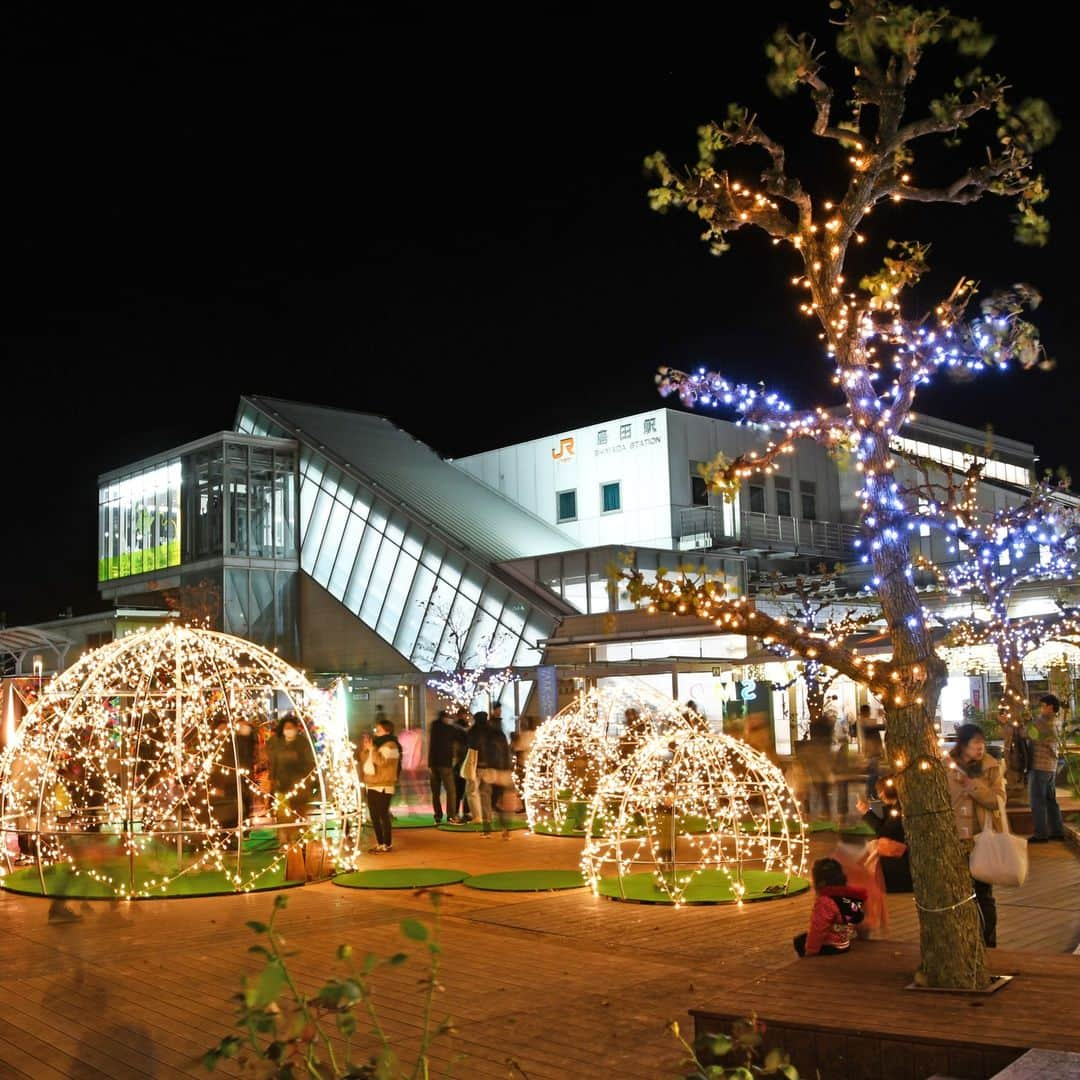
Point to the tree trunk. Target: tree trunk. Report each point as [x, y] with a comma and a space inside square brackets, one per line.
[949, 932]
[1015, 699]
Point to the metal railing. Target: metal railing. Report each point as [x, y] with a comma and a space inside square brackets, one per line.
[708, 527]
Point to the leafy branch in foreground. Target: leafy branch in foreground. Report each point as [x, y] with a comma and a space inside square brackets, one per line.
[743, 1045]
[286, 1033]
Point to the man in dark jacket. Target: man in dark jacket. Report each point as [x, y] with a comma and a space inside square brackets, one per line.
[445, 750]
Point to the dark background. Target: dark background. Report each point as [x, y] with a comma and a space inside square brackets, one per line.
[441, 222]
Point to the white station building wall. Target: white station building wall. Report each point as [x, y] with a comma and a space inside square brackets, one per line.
[631, 452]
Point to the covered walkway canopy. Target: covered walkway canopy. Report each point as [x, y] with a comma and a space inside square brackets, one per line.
[21, 641]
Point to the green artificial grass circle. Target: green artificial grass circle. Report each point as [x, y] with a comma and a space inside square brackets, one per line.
[527, 881]
[476, 826]
[400, 878]
[413, 821]
[708, 887]
[62, 882]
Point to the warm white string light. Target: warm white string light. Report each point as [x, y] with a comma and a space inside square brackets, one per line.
[586, 741]
[689, 801]
[112, 774]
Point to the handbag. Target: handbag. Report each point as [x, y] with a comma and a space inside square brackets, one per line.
[999, 858]
[890, 849]
[468, 766]
[503, 778]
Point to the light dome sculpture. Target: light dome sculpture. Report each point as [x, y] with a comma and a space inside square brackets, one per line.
[696, 817]
[134, 774]
[589, 740]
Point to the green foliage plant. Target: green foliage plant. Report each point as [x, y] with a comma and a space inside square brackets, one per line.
[285, 1034]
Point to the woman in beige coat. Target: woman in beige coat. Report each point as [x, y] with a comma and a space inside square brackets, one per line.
[977, 790]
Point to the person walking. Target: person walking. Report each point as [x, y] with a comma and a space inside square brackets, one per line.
[461, 812]
[1042, 779]
[471, 768]
[380, 766]
[445, 744]
[873, 749]
[977, 791]
[495, 776]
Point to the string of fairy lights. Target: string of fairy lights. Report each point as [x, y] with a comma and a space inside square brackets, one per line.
[130, 769]
[692, 800]
[590, 739]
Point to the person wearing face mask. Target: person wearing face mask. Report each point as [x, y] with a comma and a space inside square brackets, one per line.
[977, 791]
[292, 763]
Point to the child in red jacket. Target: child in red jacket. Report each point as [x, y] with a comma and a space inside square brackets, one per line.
[838, 909]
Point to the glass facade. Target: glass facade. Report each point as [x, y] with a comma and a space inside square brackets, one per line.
[139, 521]
[223, 498]
[584, 578]
[262, 606]
[432, 603]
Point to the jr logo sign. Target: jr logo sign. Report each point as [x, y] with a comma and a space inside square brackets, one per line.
[565, 451]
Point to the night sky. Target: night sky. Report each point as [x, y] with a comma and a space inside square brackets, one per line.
[444, 223]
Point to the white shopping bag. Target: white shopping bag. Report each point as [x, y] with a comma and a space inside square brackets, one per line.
[999, 858]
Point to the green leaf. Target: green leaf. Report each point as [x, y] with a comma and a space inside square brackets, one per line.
[414, 929]
[344, 952]
[346, 1024]
[720, 1045]
[397, 958]
[281, 901]
[210, 1060]
[270, 984]
[370, 963]
[789, 1072]
[258, 927]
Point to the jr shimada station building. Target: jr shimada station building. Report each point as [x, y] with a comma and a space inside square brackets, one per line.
[357, 551]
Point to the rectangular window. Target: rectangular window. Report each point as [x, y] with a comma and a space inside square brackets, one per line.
[610, 498]
[783, 496]
[757, 499]
[650, 426]
[624, 431]
[699, 491]
[808, 497]
[567, 506]
[601, 438]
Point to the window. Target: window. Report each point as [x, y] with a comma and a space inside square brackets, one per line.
[757, 499]
[783, 496]
[567, 505]
[601, 438]
[808, 497]
[650, 426]
[610, 498]
[699, 490]
[1003, 558]
[624, 431]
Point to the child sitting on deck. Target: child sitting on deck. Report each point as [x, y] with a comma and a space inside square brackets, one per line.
[838, 909]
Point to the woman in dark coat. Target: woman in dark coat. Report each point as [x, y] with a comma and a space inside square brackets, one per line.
[893, 851]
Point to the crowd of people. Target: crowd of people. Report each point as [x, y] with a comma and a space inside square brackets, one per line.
[472, 767]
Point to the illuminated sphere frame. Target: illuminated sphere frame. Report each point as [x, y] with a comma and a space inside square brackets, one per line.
[131, 772]
[584, 744]
[694, 801]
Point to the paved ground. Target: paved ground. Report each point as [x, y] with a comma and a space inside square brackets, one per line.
[565, 984]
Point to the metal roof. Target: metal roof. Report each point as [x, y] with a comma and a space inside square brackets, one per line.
[21, 639]
[467, 510]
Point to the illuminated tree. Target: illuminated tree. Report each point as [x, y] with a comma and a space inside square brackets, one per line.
[995, 554]
[881, 351]
[813, 602]
[464, 663]
[992, 555]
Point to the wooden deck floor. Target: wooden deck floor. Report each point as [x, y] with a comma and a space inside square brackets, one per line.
[565, 984]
